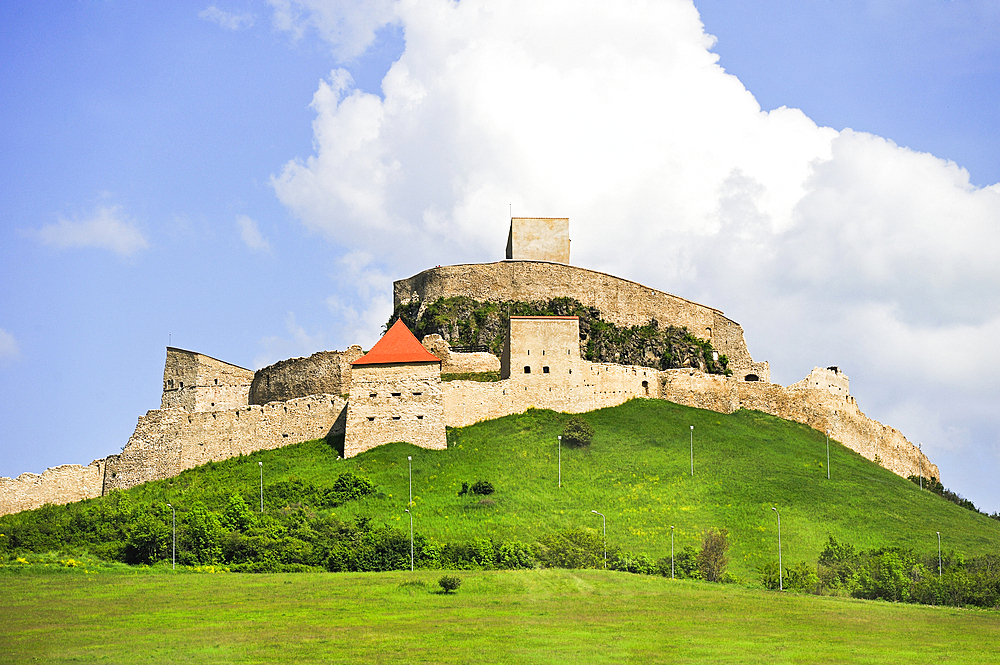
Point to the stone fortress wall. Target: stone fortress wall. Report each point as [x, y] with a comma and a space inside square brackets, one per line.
[212, 410]
[323, 373]
[620, 301]
[196, 382]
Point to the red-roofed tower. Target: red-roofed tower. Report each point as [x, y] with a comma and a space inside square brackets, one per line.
[396, 395]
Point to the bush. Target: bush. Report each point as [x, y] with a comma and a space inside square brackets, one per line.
[482, 487]
[449, 583]
[577, 432]
[574, 548]
[712, 559]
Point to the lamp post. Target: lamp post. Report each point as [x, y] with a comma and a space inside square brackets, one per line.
[411, 538]
[781, 585]
[939, 553]
[828, 453]
[671, 551]
[261, 465]
[409, 461]
[173, 556]
[605, 529]
[560, 459]
[692, 451]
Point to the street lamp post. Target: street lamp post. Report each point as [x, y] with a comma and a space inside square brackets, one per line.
[173, 555]
[939, 552]
[261, 465]
[560, 459]
[671, 552]
[781, 585]
[692, 451]
[605, 529]
[409, 461]
[411, 538]
[828, 453]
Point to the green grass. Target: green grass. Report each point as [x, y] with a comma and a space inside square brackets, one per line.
[636, 472]
[547, 616]
[488, 376]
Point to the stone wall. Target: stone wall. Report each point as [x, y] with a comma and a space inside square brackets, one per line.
[831, 379]
[538, 239]
[817, 407]
[326, 372]
[196, 382]
[620, 301]
[58, 485]
[395, 402]
[168, 441]
[459, 363]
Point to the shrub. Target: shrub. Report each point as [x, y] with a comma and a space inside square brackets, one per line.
[464, 490]
[712, 559]
[449, 583]
[482, 487]
[574, 548]
[577, 432]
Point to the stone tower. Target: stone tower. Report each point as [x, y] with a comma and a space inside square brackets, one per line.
[396, 395]
[538, 239]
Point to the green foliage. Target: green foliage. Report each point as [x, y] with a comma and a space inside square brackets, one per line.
[577, 432]
[934, 485]
[573, 548]
[467, 322]
[482, 488]
[449, 583]
[712, 559]
[486, 377]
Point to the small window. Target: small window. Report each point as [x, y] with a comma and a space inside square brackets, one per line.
[396, 394]
[216, 382]
[752, 377]
[543, 352]
[417, 394]
[545, 370]
[213, 403]
[371, 418]
[527, 369]
[182, 384]
[395, 417]
[420, 417]
[529, 352]
[373, 394]
[571, 371]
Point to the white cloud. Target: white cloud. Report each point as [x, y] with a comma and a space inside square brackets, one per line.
[830, 247]
[251, 234]
[9, 348]
[108, 227]
[227, 20]
[348, 25]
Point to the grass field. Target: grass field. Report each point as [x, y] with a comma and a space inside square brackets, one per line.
[636, 472]
[546, 616]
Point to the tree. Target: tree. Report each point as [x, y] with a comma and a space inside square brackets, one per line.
[577, 432]
[712, 559]
[449, 583]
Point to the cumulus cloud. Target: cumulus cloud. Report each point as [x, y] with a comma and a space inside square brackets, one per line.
[829, 246]
[251, 235]
[9, 349]
[108, 227]
[349, 26]
[227, 20]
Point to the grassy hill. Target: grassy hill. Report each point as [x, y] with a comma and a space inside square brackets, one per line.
[636, 472]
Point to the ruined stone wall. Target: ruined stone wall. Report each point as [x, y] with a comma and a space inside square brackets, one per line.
[459, 363]
[831, 379]
[323, 373]
[168, 441]
[538, 239]
[196, 382]
[620, 301]
[58, 485]
[817, 407]
[395, 402]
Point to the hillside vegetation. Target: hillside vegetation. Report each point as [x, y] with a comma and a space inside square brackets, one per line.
[636, 472]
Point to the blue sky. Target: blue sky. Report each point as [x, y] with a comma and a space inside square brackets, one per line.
[242, 180]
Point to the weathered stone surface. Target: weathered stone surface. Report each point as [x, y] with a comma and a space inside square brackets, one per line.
[395, 402]
[460, 363]
[325, 372]
[58, 485]
[196, 382]
[538, 239]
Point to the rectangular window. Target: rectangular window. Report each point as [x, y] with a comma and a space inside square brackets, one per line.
[417, 394]
[396, 394]
[395, 417]
[545, 370]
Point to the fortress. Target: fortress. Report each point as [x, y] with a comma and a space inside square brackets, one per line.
[211, 410]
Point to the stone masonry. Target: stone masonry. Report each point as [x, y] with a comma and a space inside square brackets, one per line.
[326, 372]
[197, 382]
[538, 239]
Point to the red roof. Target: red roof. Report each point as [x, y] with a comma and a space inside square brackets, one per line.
[397, 346]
